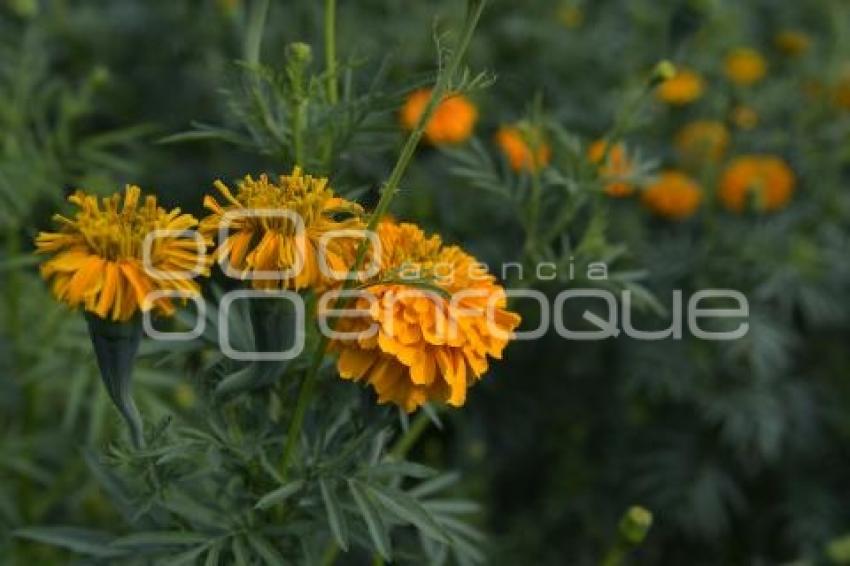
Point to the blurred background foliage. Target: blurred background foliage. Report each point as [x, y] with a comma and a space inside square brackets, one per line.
[740, 449]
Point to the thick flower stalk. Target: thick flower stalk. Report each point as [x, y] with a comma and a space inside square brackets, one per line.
[430, 342]
[117, 258]
[281, 234]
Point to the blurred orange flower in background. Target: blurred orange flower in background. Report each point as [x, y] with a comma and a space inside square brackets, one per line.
[685, 87]
[745, 66]
[673, 195]
[517, 144]
[616, 168]
[703, 140]
[765, 180]
[453, 120]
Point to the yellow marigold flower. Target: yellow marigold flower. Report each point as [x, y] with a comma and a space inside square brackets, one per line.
[767, 179]
[514, 143]
[685, 87]
[744, 117]
[617, 168]
[452, 122]
[424, 345]
[703, 140]
[98, 260]
[792, 43]
[276, 231]
[745, 66]
[673, 195]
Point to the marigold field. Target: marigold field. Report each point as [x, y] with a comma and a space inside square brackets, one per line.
[406, 282]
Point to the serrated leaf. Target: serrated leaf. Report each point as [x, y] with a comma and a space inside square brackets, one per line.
[279, 495]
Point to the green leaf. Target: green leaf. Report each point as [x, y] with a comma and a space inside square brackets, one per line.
[155, 539]
[240, 553]
[188, 557]
[265, 549]
[409, 510]
[279, 495]
[213, 555]
[405, 469]
[377, 529]
[83, 541]
[339, 527]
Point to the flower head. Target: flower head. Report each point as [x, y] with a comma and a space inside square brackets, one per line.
[518, 144]
[452, 122]
[766, 179]
[279, 232]
[703, 140]
[617, 167]
[417, 344]
[744, 66]
[673, 195]
[792, 43]
[685, 87]
[99, 262]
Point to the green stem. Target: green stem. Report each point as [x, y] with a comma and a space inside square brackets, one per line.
[475, 8]
[414, 433]
[330, 51]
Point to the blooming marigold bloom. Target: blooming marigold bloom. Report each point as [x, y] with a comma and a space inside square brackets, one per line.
[685, 87]
[792, 43]
[617, 167]
[413, 344]
[277, 231]
[703, 140]
[673, 195]
[517, 147]
[452, 122]
[98, 258]
[745, 66]
[767, 178]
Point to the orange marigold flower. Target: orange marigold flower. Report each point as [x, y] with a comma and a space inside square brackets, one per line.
[415, 344]
[792, 43]
[673, 195]
[99, 262]
[685, 87]
[276, 231]
[617, 168]
[516, 143]
[703, 140]
[767, 179]
[452, 122]
[745, 66]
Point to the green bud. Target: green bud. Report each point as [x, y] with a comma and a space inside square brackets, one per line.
[299, 54]
[635, 524]
[663, 71]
